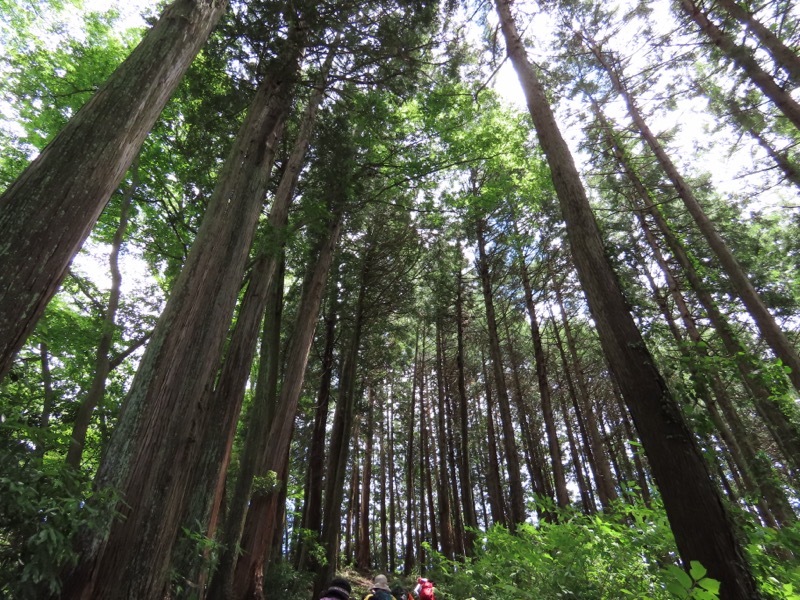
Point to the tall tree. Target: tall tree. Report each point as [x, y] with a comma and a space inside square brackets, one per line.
[705, 534]
[48, 212]
[130, 555]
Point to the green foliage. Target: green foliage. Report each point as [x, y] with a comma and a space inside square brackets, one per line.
[43, 505]
[626, 554]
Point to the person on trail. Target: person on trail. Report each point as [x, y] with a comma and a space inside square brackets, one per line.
[380, 589]
[339, 590]
[424, 589]
[400, 593]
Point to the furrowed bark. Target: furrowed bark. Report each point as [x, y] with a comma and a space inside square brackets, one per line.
[48, 212]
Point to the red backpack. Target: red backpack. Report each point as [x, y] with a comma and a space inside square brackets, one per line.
[426, 589]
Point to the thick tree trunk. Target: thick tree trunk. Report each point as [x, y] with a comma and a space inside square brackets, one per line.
[767, 326]
[516, 493]
[154, 451]
[742, 57]
[102, 364]
[703, 529]
[47, 213]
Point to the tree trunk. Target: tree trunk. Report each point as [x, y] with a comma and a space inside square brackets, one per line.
[408, 561]
[179, 366]
[743, 58]
[779, 424]
[340, 437]
[589, 507]
[445, 513]
[312, 507]
[517, 494]
[363, 560]
[604, 480]
[261, 514]
[772, 334]
[703, 529]
[562, 496]
[783, 56]
[464, 465]
[496, 501]
[102, 364]
[47, 213]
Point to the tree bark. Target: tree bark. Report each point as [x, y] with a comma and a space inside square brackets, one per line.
[155, 447]
[561, 493]
[48, 212]
[496, 500]
[340, 435]
[260, 516]
[312, 508]
[703, 529]
[445, 513]
[604, 480]
[363, 559]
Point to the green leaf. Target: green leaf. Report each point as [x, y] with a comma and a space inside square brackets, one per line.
[697, 571]
[712, 585]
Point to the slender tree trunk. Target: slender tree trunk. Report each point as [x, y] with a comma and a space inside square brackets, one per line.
[445, 512]
[583, 489]
[779, 424]
[312, 507]
[47, 213]
[603, 478]
[393, 508]
[789, 169]
[743, 59]
[784, 57]
[48, 401]
[131, 557]
[703, 529]
[496, 501]
[562, 496]
[340, 436]
[363, 560]
[772, 334]
[517, 494]
[384, 476]
[467, 501]
[102, 364]
[408, 562]
[261, 514]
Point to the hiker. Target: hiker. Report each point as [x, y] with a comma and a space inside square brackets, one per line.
[400, 593]
[424, 589]
[380, 589]
[339, 590]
